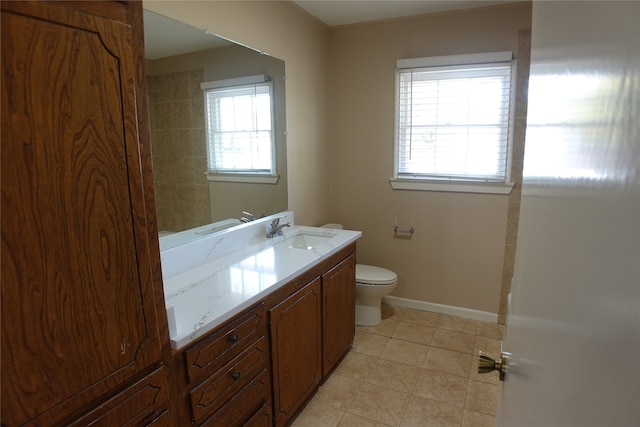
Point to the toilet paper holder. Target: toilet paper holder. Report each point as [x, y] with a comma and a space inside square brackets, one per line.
[400, 230]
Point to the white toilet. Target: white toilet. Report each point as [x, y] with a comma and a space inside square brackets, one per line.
[372, 283]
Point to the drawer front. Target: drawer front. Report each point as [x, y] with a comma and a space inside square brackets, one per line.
[262, 418]
[219, 348]
[244, 405]
[231, 379]
[140, 404]
[164, 420]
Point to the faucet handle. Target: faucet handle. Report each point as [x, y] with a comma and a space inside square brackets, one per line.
[249, 215]
[275, 229]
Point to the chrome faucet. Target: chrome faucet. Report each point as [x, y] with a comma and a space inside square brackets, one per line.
[275, 229]
[247, 217]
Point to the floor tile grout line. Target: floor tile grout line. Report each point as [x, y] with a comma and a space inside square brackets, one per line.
[377, 357]
[404, 410]
[466, 396]
[354, 398]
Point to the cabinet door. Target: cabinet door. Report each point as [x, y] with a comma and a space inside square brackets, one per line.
[338, 312]
[295, 349]
[78, 310]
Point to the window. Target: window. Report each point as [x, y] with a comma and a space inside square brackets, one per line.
[452, 121]
[240, 137]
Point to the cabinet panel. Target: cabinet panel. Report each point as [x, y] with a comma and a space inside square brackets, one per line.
[219, 388]
[262, 418]
[295, 349]
[78, 314]
[164, 420]
[139, 404]
[338, 312]
[216, 350]
[243, 405]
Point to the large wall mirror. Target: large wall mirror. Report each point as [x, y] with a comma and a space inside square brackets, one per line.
[179, 59]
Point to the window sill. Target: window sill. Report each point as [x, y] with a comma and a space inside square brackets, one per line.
[453, 187]
[244, 178]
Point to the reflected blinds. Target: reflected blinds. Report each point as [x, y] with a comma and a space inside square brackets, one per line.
[239, 128]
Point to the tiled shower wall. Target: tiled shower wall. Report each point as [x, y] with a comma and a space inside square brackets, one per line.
[178, 144]
[517, 161]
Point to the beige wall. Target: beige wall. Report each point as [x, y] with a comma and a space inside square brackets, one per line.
[283, 31]
[223, 199]
[456, 255]
[340, 142]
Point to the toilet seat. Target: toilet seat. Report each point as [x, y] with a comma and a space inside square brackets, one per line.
[372, 275]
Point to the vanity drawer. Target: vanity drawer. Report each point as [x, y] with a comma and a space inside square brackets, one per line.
[247, 407]
[219, 348]
[144, 403]
[263, 417]
[215, 391]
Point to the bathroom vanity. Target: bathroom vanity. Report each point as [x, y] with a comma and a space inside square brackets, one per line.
[255, 330]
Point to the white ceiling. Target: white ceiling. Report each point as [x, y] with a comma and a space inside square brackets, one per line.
[167, 37]
[344, 12]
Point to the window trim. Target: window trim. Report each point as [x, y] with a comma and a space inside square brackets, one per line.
[253, 178]
[431, 183]
[451, 186]
[243, 176]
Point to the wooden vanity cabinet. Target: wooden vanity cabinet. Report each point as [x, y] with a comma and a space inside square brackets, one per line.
[259, 368]
[312, 324]
[82, 342]
[228, 382]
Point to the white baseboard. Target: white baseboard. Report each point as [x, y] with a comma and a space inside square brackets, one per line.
[468, 313]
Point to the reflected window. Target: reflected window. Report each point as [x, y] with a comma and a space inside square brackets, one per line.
[239, 121]
[452, 118]
[254, 274]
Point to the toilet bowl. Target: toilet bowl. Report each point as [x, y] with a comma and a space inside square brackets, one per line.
[372, 283]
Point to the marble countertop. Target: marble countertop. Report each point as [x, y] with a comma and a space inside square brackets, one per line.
[203, 296]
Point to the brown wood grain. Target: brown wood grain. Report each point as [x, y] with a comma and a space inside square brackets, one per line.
[76, 269]
[338, 312]
[296, 346]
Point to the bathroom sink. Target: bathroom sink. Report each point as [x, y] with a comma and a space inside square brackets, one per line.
[306, 241]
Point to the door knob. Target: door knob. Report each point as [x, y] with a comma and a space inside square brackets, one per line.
[488, 364]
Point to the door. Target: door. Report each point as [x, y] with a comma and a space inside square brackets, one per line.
[338, 312]
[574, 323]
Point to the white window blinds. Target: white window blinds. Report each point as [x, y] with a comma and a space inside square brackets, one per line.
[453, 120]
[239, 127]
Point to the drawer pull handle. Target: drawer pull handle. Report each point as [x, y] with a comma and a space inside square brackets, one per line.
[235, 376]
[233, 338]
[151, 417]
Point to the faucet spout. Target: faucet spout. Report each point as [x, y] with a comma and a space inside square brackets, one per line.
[275, 229]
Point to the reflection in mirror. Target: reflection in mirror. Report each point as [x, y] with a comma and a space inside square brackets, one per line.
[180, 58]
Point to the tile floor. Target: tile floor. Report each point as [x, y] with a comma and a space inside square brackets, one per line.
[416, 368]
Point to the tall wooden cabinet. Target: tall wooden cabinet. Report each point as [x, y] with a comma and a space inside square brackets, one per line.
[81, 338]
